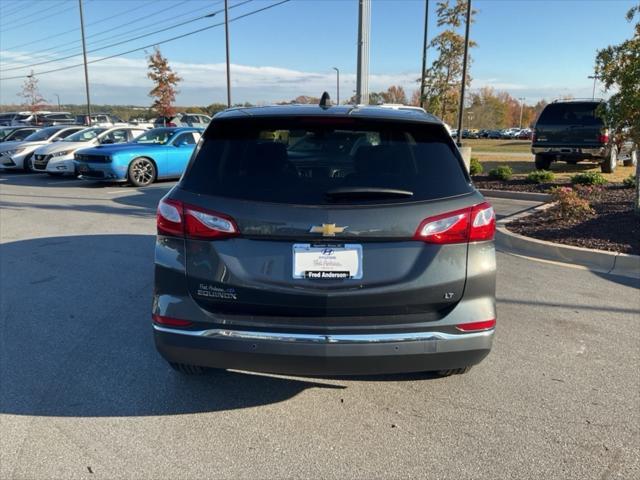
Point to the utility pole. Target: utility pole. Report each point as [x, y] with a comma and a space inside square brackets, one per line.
[464, 73]
[424, 52]
[226, 32]
[522, 99]
[86, 70]
[337, 85]
[364, 25]
[58, 97]
[595, 77]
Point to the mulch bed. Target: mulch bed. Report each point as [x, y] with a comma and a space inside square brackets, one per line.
[614, 226]
[515, 184]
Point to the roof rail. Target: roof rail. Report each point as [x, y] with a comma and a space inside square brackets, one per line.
[585, 99]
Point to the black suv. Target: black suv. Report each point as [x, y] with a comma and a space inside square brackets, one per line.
[307, 239]
[572, 131]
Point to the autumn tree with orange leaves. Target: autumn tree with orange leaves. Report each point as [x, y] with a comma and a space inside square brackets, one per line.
[165, 80]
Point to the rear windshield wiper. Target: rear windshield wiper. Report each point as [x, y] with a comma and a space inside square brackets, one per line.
[367, 192]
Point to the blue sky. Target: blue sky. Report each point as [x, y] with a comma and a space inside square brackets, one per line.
[531, 48]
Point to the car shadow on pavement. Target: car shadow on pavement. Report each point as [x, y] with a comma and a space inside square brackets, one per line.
[76, 338]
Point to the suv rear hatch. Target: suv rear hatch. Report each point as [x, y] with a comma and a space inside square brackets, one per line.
[290, 217]
[569, 124]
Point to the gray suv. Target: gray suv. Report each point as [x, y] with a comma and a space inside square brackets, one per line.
[318, 240]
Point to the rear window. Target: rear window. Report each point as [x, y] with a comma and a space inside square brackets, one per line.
[570, 114]
[326, 161]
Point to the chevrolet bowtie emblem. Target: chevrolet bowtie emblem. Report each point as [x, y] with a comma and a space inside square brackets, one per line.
[327, 229]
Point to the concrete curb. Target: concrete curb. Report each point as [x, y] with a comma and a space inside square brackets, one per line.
[534, 197]
[607, 262]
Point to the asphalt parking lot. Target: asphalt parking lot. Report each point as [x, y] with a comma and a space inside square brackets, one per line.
[84, 394]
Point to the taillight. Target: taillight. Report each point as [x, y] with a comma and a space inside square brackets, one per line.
[476, 326]
[171, 124]
[174, 218]
[467, 225]
[483, 223]
[604, 137]
[533, 136]
[206, 224]
[169, 321]
[169, 218]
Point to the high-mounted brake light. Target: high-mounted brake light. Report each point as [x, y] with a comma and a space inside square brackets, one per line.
[467, 225]
[476, 326]
[177, 219]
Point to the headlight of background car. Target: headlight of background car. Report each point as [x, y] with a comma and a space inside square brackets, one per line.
[61, 154]
[14, 151]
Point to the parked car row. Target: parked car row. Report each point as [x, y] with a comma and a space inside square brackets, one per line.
[49, 119]
[506, 134]
[119, 154]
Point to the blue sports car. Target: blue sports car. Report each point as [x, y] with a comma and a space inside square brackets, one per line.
[157, 154]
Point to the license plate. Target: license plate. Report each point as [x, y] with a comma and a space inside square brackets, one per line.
[327, 262]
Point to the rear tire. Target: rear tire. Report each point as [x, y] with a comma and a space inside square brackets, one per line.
[632, 161]
[543, 162]
[185, 369]
[453, 371]
[611, 162]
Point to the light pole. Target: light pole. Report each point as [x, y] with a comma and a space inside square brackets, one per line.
[464, 72]
[86, 70]
[522, 99]
[337, 85]
[226, 33]
[58, 97]
[595, 77]
[424, 53]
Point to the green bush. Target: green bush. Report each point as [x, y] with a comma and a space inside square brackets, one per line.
[588, 178]
[630, 181]
[540, 176]
[503, 172]
[475, 167]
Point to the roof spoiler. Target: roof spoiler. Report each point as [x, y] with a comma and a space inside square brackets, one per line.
[585, 99]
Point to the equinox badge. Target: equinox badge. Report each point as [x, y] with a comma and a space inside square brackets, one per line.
[327, 229]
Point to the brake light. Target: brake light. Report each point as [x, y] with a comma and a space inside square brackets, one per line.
[171, 124]
[476, 326]
[483, 223]
[205, 224]
[473, 224]
[169, 321]
[604, 137]
[533, 136]
[176, 219]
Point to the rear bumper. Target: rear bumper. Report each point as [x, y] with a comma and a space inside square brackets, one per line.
[571, 152]
[313, 354]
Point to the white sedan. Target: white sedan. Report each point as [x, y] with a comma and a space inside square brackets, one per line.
[57, 158]
[17, 155]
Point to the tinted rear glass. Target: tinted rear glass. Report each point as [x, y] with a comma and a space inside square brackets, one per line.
[298, 161]
[570, 114]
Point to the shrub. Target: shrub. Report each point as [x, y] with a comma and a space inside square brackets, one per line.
[571, 204]
[540, 176]
[475, 167]
[588, 178]
[503, 172]
[629, 182]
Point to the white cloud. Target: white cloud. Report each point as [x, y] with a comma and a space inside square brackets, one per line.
[124, 80]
